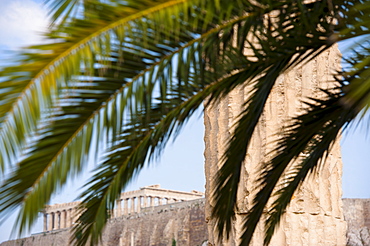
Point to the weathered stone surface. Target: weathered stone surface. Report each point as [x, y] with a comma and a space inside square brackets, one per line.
[357, 215]
[315, 215]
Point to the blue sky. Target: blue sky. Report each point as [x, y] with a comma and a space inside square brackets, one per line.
[182, 164]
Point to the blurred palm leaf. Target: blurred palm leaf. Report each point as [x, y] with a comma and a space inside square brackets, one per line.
[123, 76]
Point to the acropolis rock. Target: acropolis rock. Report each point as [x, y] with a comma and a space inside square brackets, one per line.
[315, 215]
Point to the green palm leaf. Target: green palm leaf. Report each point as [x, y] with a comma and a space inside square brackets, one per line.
[124, 76]
[43, 74]
[97, 100]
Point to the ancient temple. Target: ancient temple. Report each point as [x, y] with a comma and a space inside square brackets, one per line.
[60, 216]
[315, 215]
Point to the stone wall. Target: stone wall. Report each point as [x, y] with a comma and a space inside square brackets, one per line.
[183, 223]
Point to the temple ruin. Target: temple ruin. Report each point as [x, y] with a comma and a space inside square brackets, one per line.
[61, 216]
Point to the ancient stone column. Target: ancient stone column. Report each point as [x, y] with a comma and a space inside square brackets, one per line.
[315, 214]
[51, 221]
[57, 220]
[138, 204]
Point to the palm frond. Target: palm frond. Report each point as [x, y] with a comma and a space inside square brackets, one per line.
[353, 19]
[61, 10]
[127, 74]
[60, 148]
[96, 102]
[142, 139]
[358, 74]
[48, 68]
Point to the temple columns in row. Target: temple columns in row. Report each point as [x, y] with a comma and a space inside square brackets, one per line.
[59, 219]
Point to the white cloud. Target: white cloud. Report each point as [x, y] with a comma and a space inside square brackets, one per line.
[21, 23]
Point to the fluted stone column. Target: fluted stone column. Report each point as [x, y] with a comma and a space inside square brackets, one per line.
[160, 200]
[315, 214]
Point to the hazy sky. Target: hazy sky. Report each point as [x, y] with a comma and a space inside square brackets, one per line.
[181, 167]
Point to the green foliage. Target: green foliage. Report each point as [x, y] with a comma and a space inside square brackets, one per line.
[122, 77]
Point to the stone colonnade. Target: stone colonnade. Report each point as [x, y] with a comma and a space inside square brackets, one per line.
[315, 215]
[60, 216]
[150, 196]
